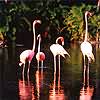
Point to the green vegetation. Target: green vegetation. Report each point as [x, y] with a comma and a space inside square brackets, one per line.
[60, 18]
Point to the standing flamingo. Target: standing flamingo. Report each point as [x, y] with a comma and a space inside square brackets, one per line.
[59, 40]
[27, 55]
[86, 47]
[40, 56]
[57, 49]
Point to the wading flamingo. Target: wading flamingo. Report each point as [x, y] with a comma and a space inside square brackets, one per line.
[40, 56]
[57, 49]
[86, 47]
[59, 40]
[27, 55]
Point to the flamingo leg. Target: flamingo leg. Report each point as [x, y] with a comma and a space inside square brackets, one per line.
[23, 71]
[38, 64]
[42, 66]
[84, 70]
[88, 74]
[54, 73]
[59, 72]
[54, 85]
[42, 72]
[28, 69]
[55, 64]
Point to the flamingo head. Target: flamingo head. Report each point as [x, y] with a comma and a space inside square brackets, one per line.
[39, 37]
[87, 13]
[36, 21]
[61, 39]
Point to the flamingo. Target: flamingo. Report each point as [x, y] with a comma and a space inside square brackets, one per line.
[86, 47]
[27, 55]
[57, 49]
[40, 56]
[59, 40]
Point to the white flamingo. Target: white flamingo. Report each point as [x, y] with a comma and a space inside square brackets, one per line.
[86, 47]
[59, 40]
[27, 55]
[57, 49]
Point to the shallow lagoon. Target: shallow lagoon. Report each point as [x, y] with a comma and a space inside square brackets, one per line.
[45, 85]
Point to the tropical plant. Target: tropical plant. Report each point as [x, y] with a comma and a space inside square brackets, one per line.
[18, 16]
[75, 21]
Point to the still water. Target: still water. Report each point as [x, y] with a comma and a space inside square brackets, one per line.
[44, 84]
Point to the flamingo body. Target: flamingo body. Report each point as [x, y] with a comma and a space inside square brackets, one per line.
[86, 49]
[40, 56]
[26, 55]
[57, 49]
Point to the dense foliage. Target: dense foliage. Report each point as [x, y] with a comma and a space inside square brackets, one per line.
[60, 18]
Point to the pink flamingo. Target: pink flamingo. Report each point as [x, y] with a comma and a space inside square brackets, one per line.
[57, 49]
[86, 47]
[40, 56]
[27, 55]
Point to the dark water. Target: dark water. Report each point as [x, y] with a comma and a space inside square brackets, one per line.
[45, 84]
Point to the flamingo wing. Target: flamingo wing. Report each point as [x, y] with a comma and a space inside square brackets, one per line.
[86, 49]
[24, 56]
[57, 49]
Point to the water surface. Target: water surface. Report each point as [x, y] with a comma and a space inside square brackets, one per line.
[45, 84]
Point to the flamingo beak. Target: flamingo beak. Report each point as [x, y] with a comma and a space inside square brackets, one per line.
[62, 43]
[20, 64]
[39, 21]
[90, 14]
[38, 36]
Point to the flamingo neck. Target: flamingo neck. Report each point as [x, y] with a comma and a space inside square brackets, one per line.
[98, 3]
[98, 6]
[34, 41]
[86, 31]
[39, 44]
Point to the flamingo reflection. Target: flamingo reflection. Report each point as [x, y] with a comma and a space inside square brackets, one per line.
[39, 82]
[26, 90]
[86, 93]
[56, 92]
